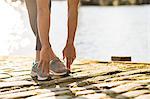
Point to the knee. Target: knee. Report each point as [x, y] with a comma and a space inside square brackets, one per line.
[42, 11]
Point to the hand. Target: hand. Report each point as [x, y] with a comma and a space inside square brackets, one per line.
[44, 60]
[69, 52]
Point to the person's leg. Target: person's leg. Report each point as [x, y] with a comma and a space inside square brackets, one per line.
[32, 11]
[43, 24]
[48, 60]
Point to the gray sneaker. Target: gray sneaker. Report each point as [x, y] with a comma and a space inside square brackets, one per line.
[57, 67]
[35, 72]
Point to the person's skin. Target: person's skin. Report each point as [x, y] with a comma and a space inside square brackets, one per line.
[69, 51]
[43, 20]
[32, 11]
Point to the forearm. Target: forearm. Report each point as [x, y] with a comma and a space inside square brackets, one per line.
[72, 20]
[43, 21]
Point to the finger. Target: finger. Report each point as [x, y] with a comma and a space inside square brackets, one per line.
[73, 59]
[68, 63]
[47, 68]
[63, 56]
[71, 62]
[40, 64]
[43, 65]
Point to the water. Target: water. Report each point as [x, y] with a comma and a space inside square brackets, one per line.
[102, 32]
[117, 31]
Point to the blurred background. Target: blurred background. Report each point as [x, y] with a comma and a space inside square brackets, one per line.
[106, 28]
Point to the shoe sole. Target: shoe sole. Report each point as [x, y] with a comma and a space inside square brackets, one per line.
[57, 74]
[34, 74]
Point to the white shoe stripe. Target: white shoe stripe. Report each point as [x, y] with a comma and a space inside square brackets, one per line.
[33, 74]
[42, 78]
[57, 74]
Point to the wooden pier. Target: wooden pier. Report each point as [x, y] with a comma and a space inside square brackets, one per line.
[90, 79]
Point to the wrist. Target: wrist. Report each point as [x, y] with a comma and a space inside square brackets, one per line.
[69, 43]
[46, 46]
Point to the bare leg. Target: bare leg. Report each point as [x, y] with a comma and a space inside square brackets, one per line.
[43, 20]
[32, 11]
